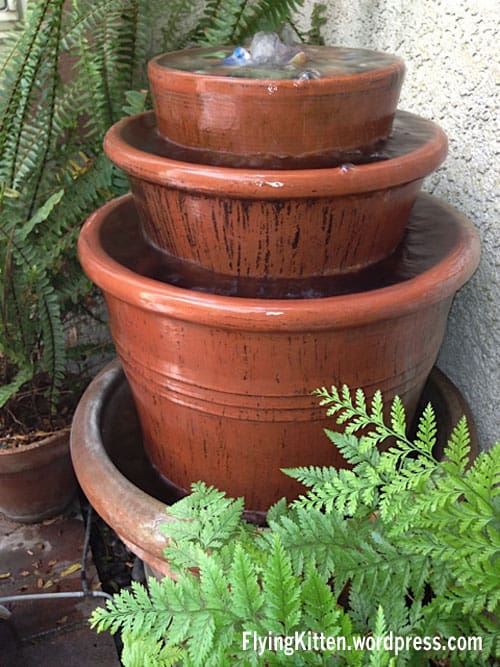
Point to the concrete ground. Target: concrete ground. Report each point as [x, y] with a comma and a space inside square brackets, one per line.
[46, 558]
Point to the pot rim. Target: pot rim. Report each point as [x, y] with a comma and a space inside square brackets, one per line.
[56, 436]
[339, 83]
[92, 463]
[13, 459]
[275, 183]
[334, 312]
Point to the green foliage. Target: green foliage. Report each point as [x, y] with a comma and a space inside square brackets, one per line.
[233, 21]
[318, 20]
[73, 70]
[340, 560]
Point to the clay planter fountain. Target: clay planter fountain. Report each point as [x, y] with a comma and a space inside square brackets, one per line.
[234, 291]
[296, 121]
[276, 224]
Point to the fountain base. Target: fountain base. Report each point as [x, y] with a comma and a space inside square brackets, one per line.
[124, 488]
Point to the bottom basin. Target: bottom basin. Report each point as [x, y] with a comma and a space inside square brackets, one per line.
[123, 487]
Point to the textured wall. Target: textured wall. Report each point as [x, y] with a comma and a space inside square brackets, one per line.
[450, 48]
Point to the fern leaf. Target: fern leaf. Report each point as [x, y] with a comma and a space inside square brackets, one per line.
[146, 653]
[281, 591]
[458, 446]
[426, 430]
[7, 391]
[246, 596]
[320, 605]
[398, 417]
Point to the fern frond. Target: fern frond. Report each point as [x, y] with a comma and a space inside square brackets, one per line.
[246, 596]
[264, 15]
[234, 21]
[318, 20]
[206, 521]
[144, 652]
[280, 591]
[7, 391]
[320, 606]
[457, 450]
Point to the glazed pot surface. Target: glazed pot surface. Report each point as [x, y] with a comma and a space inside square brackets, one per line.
[279, 119]
[223, 385]
[276, 224]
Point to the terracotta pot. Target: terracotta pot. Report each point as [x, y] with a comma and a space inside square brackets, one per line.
[267, 123]
[223, 385]
[281, 224]
[116, 477]
[37, 481]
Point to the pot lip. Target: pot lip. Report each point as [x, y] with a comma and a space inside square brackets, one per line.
[347, 82]
[55, 439]
[275, 183]
[91, 462]
[334, 312]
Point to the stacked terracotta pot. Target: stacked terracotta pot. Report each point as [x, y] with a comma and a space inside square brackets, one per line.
[274, 242]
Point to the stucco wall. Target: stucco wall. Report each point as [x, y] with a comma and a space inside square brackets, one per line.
[451, 52]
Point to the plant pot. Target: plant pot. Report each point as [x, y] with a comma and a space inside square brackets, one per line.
[120, 483]
[266, 122]
[37, 481]
[282, 224]
[223, 385]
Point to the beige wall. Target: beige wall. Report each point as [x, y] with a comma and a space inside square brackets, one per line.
[451, 53]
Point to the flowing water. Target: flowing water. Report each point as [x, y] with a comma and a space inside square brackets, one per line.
[409, 133]
[430, 235]
[318, 62]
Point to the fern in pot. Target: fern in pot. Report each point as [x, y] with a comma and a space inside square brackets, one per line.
[52, 174]
[393, 562]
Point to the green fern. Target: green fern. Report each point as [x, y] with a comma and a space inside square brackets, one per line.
[143, 653]
[318, 20]
[234, 21]
[431, 570]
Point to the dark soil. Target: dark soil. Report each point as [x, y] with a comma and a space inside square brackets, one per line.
[30, 415]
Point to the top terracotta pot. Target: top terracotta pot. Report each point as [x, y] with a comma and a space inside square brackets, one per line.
[226, 118]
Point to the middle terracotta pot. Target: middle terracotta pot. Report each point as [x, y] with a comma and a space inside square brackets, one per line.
[297, 223]
[223, 385]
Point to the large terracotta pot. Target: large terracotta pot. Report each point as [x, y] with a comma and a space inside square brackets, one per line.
[223, 385]
[275, 123]
[281, 224]
[115, 475]
[36, 481]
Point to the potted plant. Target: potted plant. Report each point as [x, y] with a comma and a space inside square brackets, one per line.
[51, 174]
[36, 477]
[392, 562]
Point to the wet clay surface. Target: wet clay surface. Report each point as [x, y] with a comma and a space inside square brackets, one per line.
[228, 380]
[333, 100]
[409, 133]
[429, 237]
